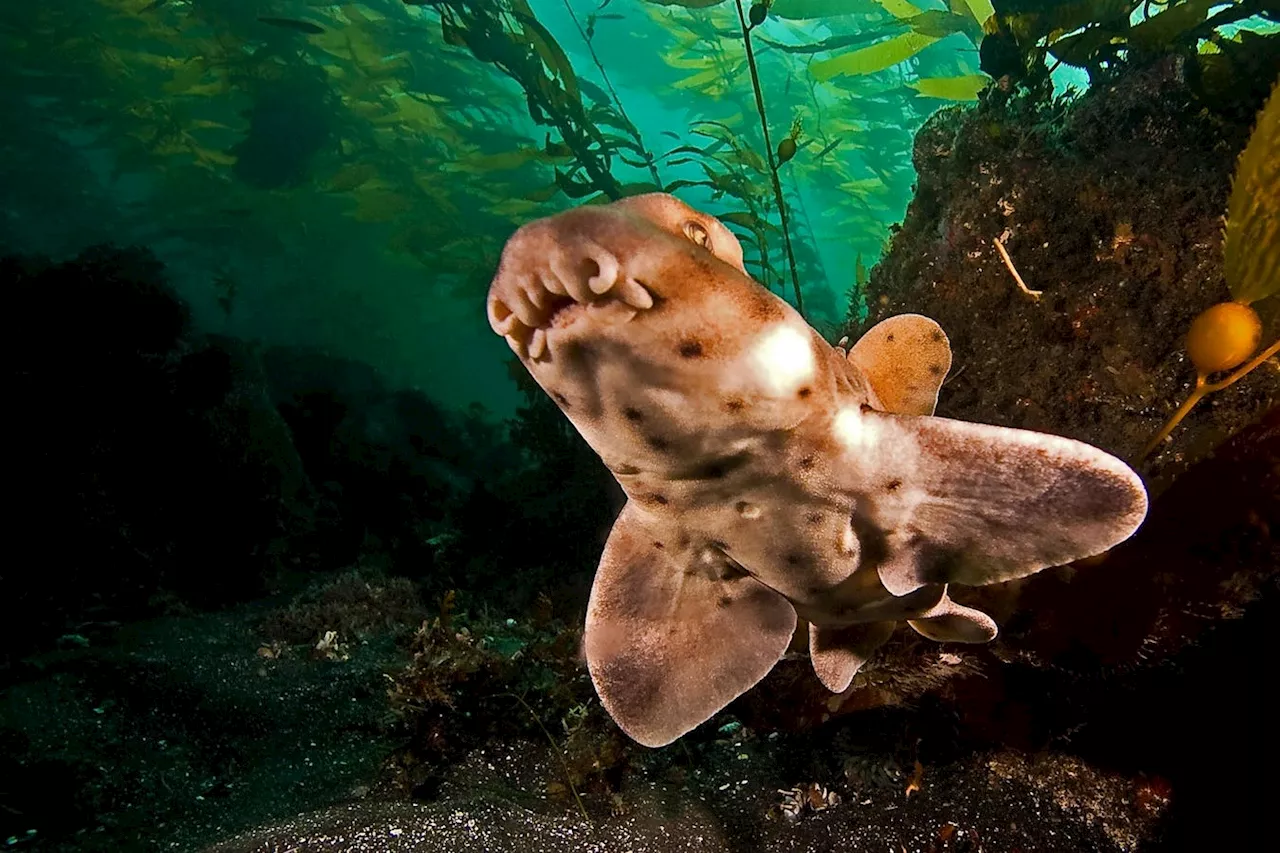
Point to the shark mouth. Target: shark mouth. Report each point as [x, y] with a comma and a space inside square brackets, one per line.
[552, 292]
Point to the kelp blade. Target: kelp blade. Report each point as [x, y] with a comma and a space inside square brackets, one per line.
[1251, 260]
[877, 57]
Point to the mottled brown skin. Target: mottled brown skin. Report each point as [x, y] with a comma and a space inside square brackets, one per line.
[767, 474]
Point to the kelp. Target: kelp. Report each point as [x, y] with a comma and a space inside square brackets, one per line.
[1099, 35]
[608, 108]
[397, 119]
[775, 159]
[908, 30]
[876, 57]
[866, 55]
[508, 35]
[964, 88]
[1251, 238]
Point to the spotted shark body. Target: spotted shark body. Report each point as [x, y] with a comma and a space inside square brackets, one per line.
[767, 473]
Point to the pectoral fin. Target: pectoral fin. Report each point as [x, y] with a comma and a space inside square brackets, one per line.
[838, 653]
[676, 633]
[905, 358]
[979, 504]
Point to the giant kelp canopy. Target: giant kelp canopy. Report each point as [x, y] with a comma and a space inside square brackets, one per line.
[429, 129]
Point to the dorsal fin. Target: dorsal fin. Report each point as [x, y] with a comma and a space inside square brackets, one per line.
[905, 358]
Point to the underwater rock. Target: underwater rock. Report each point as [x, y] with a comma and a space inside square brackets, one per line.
[387, 462]
[394, 466]
[92, 367]
[153, 464]
[250, 435]
[345, 408]
[1113, 207]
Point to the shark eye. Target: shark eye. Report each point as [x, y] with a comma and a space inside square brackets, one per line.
[695, 232]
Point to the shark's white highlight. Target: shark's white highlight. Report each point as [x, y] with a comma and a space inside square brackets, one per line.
[783, 358]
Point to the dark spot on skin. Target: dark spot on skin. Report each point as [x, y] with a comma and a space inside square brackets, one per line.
[581, 354]
[793, 559]
[742, 506]
[814, 518]
[659, 545]
[657, 443]
[889, 337]
[562, 400]
[806, 463]
[632, 415]
[725, 601]
[690, 349]
[803, 393]
[935, 369]
[893, 485]
[684, 541]
[715, 469]
[937, 335]
[661, 500]
[734, 405]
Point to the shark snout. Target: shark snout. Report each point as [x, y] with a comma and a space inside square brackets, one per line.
[546, 269]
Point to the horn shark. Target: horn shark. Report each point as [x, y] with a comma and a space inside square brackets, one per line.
[768, 474]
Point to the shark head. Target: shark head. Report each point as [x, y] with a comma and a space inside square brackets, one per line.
[639, 320]
[768, 474]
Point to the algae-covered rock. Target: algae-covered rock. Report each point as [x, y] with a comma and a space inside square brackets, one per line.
[1112, 207]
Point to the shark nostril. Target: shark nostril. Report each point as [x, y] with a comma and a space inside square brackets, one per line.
[501, 317]
[498, 311]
